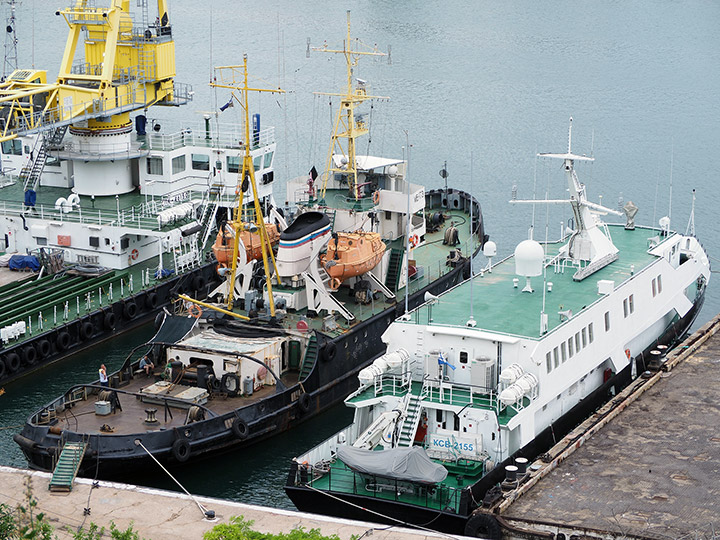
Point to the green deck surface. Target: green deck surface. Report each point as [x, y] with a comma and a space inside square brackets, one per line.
[499, 307]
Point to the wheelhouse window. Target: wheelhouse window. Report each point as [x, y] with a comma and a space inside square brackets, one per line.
[607, 321]
[200, 162]
[233, 164]
[154, 165]
[12, 147]
[268, 160]
[178, 164]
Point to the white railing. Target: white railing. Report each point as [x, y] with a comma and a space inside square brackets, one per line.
[231, 137]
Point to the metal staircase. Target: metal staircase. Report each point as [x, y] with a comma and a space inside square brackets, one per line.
[393, 275]
[67, 466]
[410, 423]
[44, 142]
[210, 209]
[311, 354]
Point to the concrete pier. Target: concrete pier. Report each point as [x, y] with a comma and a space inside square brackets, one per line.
[166, 515]
[645, 466]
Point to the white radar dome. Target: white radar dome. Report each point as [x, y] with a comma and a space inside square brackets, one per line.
[490, 249]
[529, 257]
[392, 171]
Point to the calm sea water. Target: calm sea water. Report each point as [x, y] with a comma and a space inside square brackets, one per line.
[497, 81]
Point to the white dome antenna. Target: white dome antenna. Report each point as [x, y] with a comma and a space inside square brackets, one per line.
[529, 257]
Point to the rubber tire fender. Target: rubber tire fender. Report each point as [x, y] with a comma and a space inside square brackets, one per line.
[12, 362]
[109, 320]
[181, 450]
[329, 351]
[44, 348]
[30, 355]
[151, 300]
[483, 526]
[304, 402]
[3, 369]
[63, 341]
[223, 384]
[240, 429]
[199, 282]
[86, 330]
[130, 310]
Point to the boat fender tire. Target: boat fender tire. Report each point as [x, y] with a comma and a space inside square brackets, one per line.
[159, 318]
[130, 310]
[230, 384]
[44, 348]
[30, 355]
[215, 384]
[86, 330]
[240, 429]
[151, 300]
[63, 341]
[304, 402]
[199, 282]
[109, 320]
[483, 526]
[329, 351]
[3, 369]
[181, 450]
[12, 361]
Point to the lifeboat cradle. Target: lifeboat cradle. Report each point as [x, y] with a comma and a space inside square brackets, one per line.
[318, 289]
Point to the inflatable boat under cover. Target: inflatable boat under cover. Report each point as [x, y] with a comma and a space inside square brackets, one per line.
[408, 464]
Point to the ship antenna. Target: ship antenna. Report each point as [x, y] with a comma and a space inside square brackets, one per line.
[10, 64]
[471, 322]
[672, 158]
[407, 226]
[532, 226]
[691, 223]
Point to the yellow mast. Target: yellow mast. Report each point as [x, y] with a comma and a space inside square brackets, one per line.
[247, 172]
[346, 125]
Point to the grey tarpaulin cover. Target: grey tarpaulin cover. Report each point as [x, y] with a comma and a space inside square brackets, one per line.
[410, 464]
[173, 329]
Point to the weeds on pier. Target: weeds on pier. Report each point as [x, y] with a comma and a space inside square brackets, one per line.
[240, 529]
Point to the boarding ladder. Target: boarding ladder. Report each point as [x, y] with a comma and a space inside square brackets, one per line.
[311, 354]
[393, 274]
[410, 422]
[43, 143]
[210, 209]
[67, 466]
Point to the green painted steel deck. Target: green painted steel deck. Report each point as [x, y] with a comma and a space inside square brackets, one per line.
[502, 308]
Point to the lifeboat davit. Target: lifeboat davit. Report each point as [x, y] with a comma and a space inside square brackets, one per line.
[351, 254]
[223, 246]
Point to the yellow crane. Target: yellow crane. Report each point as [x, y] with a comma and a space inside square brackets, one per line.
[126, 67]
[227, 77]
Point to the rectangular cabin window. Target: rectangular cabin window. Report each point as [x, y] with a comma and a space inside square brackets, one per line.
[233, 164]
[584, 338]
[154, 165]
[590, 332]
[654, 289]
[577, 341]
[607, 321]
[200, 162]
[563, 351]
[556, 357]
[631, 303]
[12, 147]
[178, 164]
[548, 361]
[463, 357]
[625, 310]
[268, 160]
[257, 163]
[570, 347]
[659, 280]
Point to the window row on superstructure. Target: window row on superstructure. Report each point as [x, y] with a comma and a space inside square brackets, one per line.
[567, 349]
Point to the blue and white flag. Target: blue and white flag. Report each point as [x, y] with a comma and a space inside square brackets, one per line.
[443, 362]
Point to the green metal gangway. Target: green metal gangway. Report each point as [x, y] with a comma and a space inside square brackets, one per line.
[67, 466]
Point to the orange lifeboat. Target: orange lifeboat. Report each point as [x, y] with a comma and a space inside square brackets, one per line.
[223, 246]
[351, 254]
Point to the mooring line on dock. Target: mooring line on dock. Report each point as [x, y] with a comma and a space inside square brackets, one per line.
[207, 514]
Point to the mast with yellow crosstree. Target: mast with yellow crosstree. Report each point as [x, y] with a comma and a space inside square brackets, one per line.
[227, 79]
[347, 126]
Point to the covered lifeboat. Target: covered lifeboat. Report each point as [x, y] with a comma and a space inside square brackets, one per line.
[223, 246]
[351, 254]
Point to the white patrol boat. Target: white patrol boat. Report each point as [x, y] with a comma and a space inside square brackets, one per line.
[487, 372]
